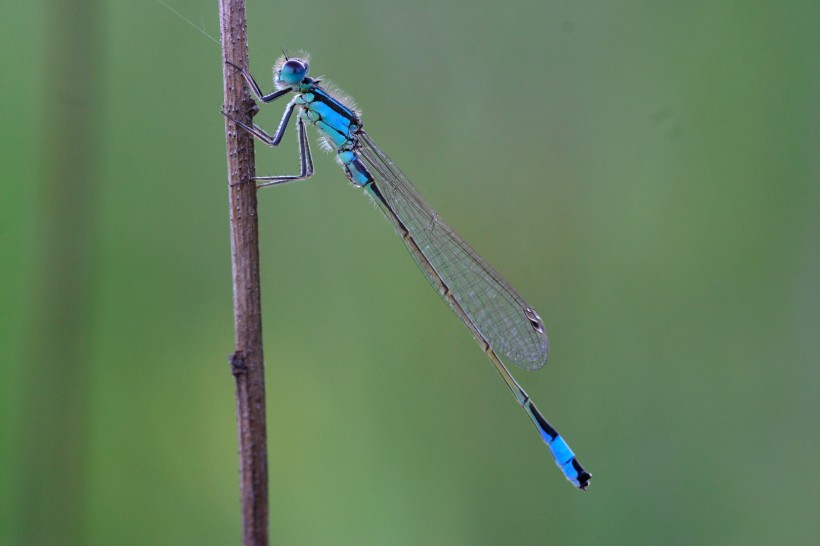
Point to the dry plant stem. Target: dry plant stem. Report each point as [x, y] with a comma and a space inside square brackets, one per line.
[247, 360]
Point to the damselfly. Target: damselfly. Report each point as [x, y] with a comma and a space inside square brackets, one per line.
[504, 325]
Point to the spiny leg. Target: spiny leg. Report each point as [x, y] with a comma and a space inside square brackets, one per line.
[305, 161]
[263, 135]
[305, 157]
[255, 86]
[253, 129]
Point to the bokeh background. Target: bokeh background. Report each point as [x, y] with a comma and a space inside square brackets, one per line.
[646, 174]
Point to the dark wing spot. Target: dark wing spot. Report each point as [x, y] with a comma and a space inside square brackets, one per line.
[535, 320]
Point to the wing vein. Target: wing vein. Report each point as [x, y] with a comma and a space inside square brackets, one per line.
[486, 303]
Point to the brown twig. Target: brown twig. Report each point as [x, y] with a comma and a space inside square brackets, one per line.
[247, 362]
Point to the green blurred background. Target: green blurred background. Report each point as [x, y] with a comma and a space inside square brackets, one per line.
[646, 174]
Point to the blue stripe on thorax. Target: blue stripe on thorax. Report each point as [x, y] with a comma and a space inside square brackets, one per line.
[331, 117]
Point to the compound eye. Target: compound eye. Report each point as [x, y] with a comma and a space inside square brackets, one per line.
[293, 71]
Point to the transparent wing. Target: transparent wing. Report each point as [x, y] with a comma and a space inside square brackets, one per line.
[501, 316]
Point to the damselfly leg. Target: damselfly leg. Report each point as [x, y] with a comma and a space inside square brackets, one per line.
[305, 156]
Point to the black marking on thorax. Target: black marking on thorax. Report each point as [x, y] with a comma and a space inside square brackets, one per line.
[320, 95]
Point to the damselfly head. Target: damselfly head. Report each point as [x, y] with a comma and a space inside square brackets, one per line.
[292, 71]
